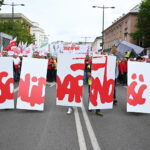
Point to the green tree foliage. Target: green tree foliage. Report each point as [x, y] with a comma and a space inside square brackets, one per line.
[1, 2]
[143, 25]
[21, 30]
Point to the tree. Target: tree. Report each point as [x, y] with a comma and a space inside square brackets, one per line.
[21, 30]
[1, 2]
[143, 24]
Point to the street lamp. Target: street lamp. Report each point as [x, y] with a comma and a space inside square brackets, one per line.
[85, 38]
[103, 7]
[13, 14]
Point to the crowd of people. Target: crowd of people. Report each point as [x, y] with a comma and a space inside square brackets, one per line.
[17, 63]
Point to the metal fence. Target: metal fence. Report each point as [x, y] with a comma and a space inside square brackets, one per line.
[4, 40]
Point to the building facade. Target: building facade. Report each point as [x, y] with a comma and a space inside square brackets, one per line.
[121, 28]
[17, 16]
[97, 43]
[39, 33]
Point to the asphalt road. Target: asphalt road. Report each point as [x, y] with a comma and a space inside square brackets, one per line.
[53, 129]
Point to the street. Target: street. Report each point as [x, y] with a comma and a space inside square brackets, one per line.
[53, 129]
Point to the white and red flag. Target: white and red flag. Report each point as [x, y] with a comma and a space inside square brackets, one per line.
[12, 45]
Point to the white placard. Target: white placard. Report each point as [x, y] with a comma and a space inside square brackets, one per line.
[70, 72]
[138, 97]
[102, 83]
[32, 85]
[6, 83]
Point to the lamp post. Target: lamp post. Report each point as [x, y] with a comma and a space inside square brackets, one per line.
[103, 7]
[85, 38]
[13, 14]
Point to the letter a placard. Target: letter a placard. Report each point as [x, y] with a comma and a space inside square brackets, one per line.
[70, 79]
[102, 82]
[138, 96]
[32, 84]
[6, 83]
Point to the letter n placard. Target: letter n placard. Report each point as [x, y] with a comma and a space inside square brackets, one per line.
[102, 82]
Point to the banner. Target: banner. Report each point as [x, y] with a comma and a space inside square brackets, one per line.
[6, 83]
[69, 48]
[32, 85]
[102, 82]
[138, 97]
[70, 72]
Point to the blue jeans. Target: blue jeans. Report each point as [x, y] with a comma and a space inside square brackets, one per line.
[85, 76]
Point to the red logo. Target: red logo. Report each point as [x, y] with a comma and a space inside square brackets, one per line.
[101, 88]
[36, 91]
[137, 96]
[5, 88]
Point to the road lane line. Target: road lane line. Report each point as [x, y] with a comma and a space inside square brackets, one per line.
[52, 84]
[16, 89]
[92, 136]
[80, 134]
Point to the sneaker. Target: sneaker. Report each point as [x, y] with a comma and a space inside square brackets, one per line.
[69, 111]
[115, 102]
[99, 113]
[90, 110]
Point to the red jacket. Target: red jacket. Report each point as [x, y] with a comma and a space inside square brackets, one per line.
[123, 67]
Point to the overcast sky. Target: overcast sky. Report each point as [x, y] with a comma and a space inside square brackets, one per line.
[69, 20]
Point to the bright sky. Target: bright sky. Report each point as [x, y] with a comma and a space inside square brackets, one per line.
[69, 20]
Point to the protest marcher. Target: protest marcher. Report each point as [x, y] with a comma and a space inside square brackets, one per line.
[4, 53]
[124, 67]
[127, 54]
[55, 69]
[16, 60]
[116, 77]
[98, 111]
[36, 54]
[119, 69]
[70, 109]
[87, 62]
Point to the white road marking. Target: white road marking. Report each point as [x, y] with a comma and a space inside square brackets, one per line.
[52, 84]
[92, 136]
[16, 89]
[80, 134]
[48, 83]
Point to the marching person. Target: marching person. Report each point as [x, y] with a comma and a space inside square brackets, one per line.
[4, 53]
[70, 109]
[55, 72]
[16, 60]
[36, 54]
[116, 77]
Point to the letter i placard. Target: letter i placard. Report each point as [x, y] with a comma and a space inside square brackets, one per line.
[70, 72]
[6, 83]
[32, 84]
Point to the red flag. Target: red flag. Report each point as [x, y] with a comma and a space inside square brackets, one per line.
[11, 44]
